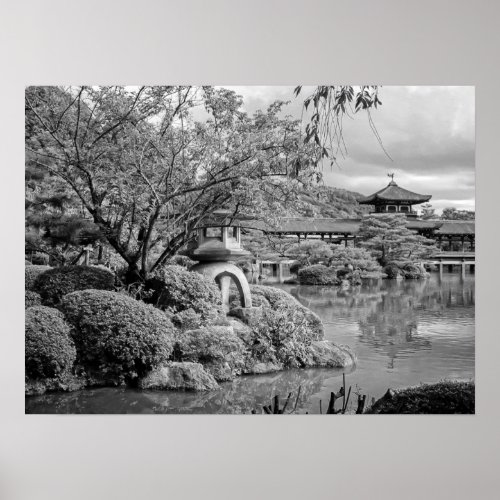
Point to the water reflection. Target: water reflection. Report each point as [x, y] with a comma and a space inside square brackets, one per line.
[240, 397]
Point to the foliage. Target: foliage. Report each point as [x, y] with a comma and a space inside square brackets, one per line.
[359, 258]
[31, 273]
[31, 299]
[116, 336]
[441, 398]
[147, 174]
[454, 214]
[427, 212]
[407, 270]
[180, 260]
[57, 282]
[318, 275]
[387, 238]
[329, 105]
[176, 289]
[282, 335]
[217, 348]
[270, 297]
[49, 349]
[310, 252]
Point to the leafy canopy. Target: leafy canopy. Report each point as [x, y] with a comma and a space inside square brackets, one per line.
[147, 172]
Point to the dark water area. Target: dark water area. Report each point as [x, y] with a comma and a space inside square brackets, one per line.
[403, 332]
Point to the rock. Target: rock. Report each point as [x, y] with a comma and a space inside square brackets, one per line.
[261, 367]
[243, 331]
[64, 383]
[179, 376]
[323, 353]
[249, 315]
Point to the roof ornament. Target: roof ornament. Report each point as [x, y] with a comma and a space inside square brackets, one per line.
[391, 176]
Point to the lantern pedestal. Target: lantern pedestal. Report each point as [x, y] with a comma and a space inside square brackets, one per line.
[223, 273]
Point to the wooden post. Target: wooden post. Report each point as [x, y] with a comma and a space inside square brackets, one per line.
[463, 268]
[440, 269]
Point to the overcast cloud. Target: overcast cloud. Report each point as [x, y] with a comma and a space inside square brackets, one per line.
[428, 131]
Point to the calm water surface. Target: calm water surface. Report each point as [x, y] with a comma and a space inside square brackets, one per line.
[403, 332]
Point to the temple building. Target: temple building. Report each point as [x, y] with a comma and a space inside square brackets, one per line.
[394, 199]
[450, 235]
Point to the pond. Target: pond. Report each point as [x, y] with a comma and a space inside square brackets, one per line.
[403, 332]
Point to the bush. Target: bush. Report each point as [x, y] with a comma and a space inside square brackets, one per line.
[358, 258]
[217, 348]
[310, 251]
[440, 398]
[318, 275]
[54, 284]
[31, 273]
[31, 299]
[392, 270]
[176, 289]
[116, 336]
[49, 349]
[274, 298]
[406, 270]
[180, 260]
[281, 335]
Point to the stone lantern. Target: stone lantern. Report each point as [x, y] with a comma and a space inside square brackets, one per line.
[218, 243]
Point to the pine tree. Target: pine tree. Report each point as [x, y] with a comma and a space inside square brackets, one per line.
[388, 239]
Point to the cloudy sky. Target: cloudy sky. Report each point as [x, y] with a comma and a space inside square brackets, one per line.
[428, 132]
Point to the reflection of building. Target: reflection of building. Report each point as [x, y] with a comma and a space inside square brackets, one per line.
[394, 199]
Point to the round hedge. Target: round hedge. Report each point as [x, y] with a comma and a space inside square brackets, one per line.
[274, 298]
[57, 282]
[116, 336]
[176, 289]
[31, 273]
[31, 299]
[318, 275]
[49, 349]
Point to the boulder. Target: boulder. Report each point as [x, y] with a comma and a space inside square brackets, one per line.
[326, 354]
[261, 367]
[179, 376]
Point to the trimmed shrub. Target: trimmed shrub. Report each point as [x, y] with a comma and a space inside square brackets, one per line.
[116, 336]
[411, 270]
[217, 348]
[31, 299]
[318, 275]
[440, 398]
[54, 284]
[49, 349]
[392, 270]
[408, 270]
[281, 335]
[176, 289]
[31, 273]
[274, 298]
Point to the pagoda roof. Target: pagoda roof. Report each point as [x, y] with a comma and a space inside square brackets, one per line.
[392, 192]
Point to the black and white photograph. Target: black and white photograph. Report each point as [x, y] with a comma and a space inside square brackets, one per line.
[250, 250]
[228, 210]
